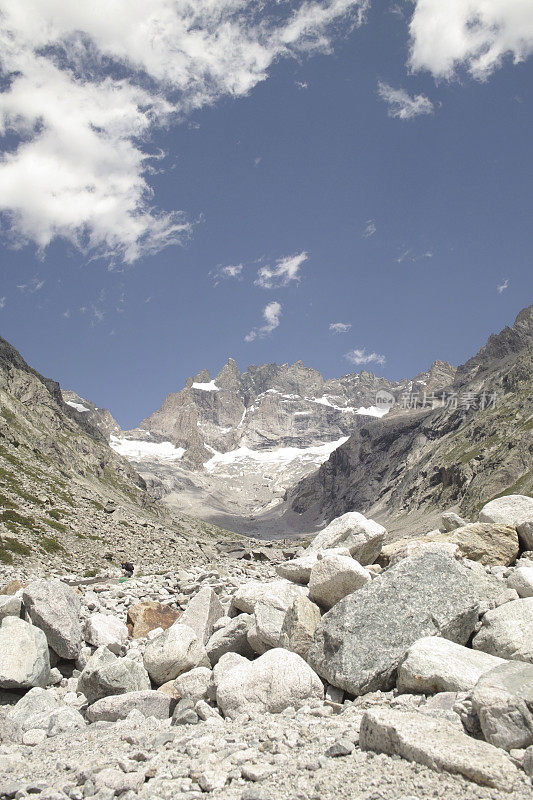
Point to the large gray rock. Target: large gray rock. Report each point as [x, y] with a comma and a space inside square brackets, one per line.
[10, 606]
[150, 703]
[232, 638]
[105, 674]
[333, 577]
[273, 682]
[489, 543]
[363, 537]
[451, 520]
[55, 608]
[521, 580]
[436, 743]
[202, 611]
[298, 570]
[266, 630]
[24, 657]
[105, 630]
[197, 684]
[278, 594]
[434, 664]
[515, 510]
[33, 711]
[507, 631]
[359, 643]
[503, 702]
[299, 626]
[174, 651]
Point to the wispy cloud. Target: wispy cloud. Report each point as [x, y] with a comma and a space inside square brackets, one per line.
[3, 302]
[286, 269]
[503, 286]
[257, 161]
[476, 35]
[66, 314]
[402, 105]
[340, 327]
[359, 356]
[84, 97]
[409, 255]
[223, 273]
[271, 315]
[34, 285]
[370, 229]
[301, 84]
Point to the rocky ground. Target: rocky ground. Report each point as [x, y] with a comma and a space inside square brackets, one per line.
[347, 669]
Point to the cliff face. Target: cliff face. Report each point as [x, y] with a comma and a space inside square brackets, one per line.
[464, 456]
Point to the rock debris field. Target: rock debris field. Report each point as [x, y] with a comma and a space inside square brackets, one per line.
[348, 669]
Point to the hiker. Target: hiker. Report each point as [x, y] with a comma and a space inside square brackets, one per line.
[127, 568]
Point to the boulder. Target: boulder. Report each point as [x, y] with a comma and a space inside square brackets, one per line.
[266, 629]
[436, 743]
[12, 587]
[104, 630]
[299, 626]
[392, 553]
[105, 674]
[450, 520]
[273, 682]
[333, 577]
[503, 702]
[202, 611]
[32, 712]
[174, 651]
[363, 537]
[64, 719]
[515, 510]
[149, 615]
[433, 664]
[148, 702]
[10, 606]
[278, 594]
[232, 638]
[197, 684]
[521, 580]
[55, 608]
[486, 542]
[298, 570]
[24, 657]
[359, 644]
[507, 631]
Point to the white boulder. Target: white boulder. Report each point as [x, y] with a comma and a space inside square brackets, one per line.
[55, 608]
[333, 577]
[507, 631]
[24, 657]
[515, 510]
[174, 651]
[105, 630]
[363, 537]
[521, 580]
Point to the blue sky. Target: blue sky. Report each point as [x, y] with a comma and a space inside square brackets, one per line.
[337, 162]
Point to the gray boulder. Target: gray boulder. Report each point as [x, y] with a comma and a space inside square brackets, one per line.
[521, 580]
[197, 684]
[507, 631]
[273, 682]
[434, 664]
[363, 537]
[266, 630]
[105, 630]
[503, 702]
[64, 719]
[34, 709]
[232, 638]
[174, 651]
[105, 674]
[515, 510]
[299, 626]
[148, 702]
[451, 520]
[54, 607]
[10, 606]
[436, 743]
[24, 657]
[202, 611]
[278, 594]
[359, 644]
[333, 577]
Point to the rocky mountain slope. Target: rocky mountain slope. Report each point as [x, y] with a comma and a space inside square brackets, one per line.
[401, 468]
[66, 497]
[227, 449]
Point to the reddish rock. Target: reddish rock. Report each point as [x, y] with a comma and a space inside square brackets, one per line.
[147, 616]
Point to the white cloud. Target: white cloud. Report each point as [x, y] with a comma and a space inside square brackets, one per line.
[340, 327]
[3, 302]
[67, 314]
[503, 286]
[370, 229]
[34, 285]
[286, 270]
[474, 34]
[302, 84]
[402, 105]
[87, 84]
[223, 273]
[271, 315]
[360, 356]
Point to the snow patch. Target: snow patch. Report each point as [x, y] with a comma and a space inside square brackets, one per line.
[281, 455]
[206, 387]
[136, 449]
[372, 411]
[77, 406]
[324, 401]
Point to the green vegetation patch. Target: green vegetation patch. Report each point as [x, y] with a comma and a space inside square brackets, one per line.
[53, 523]
[51, 545]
